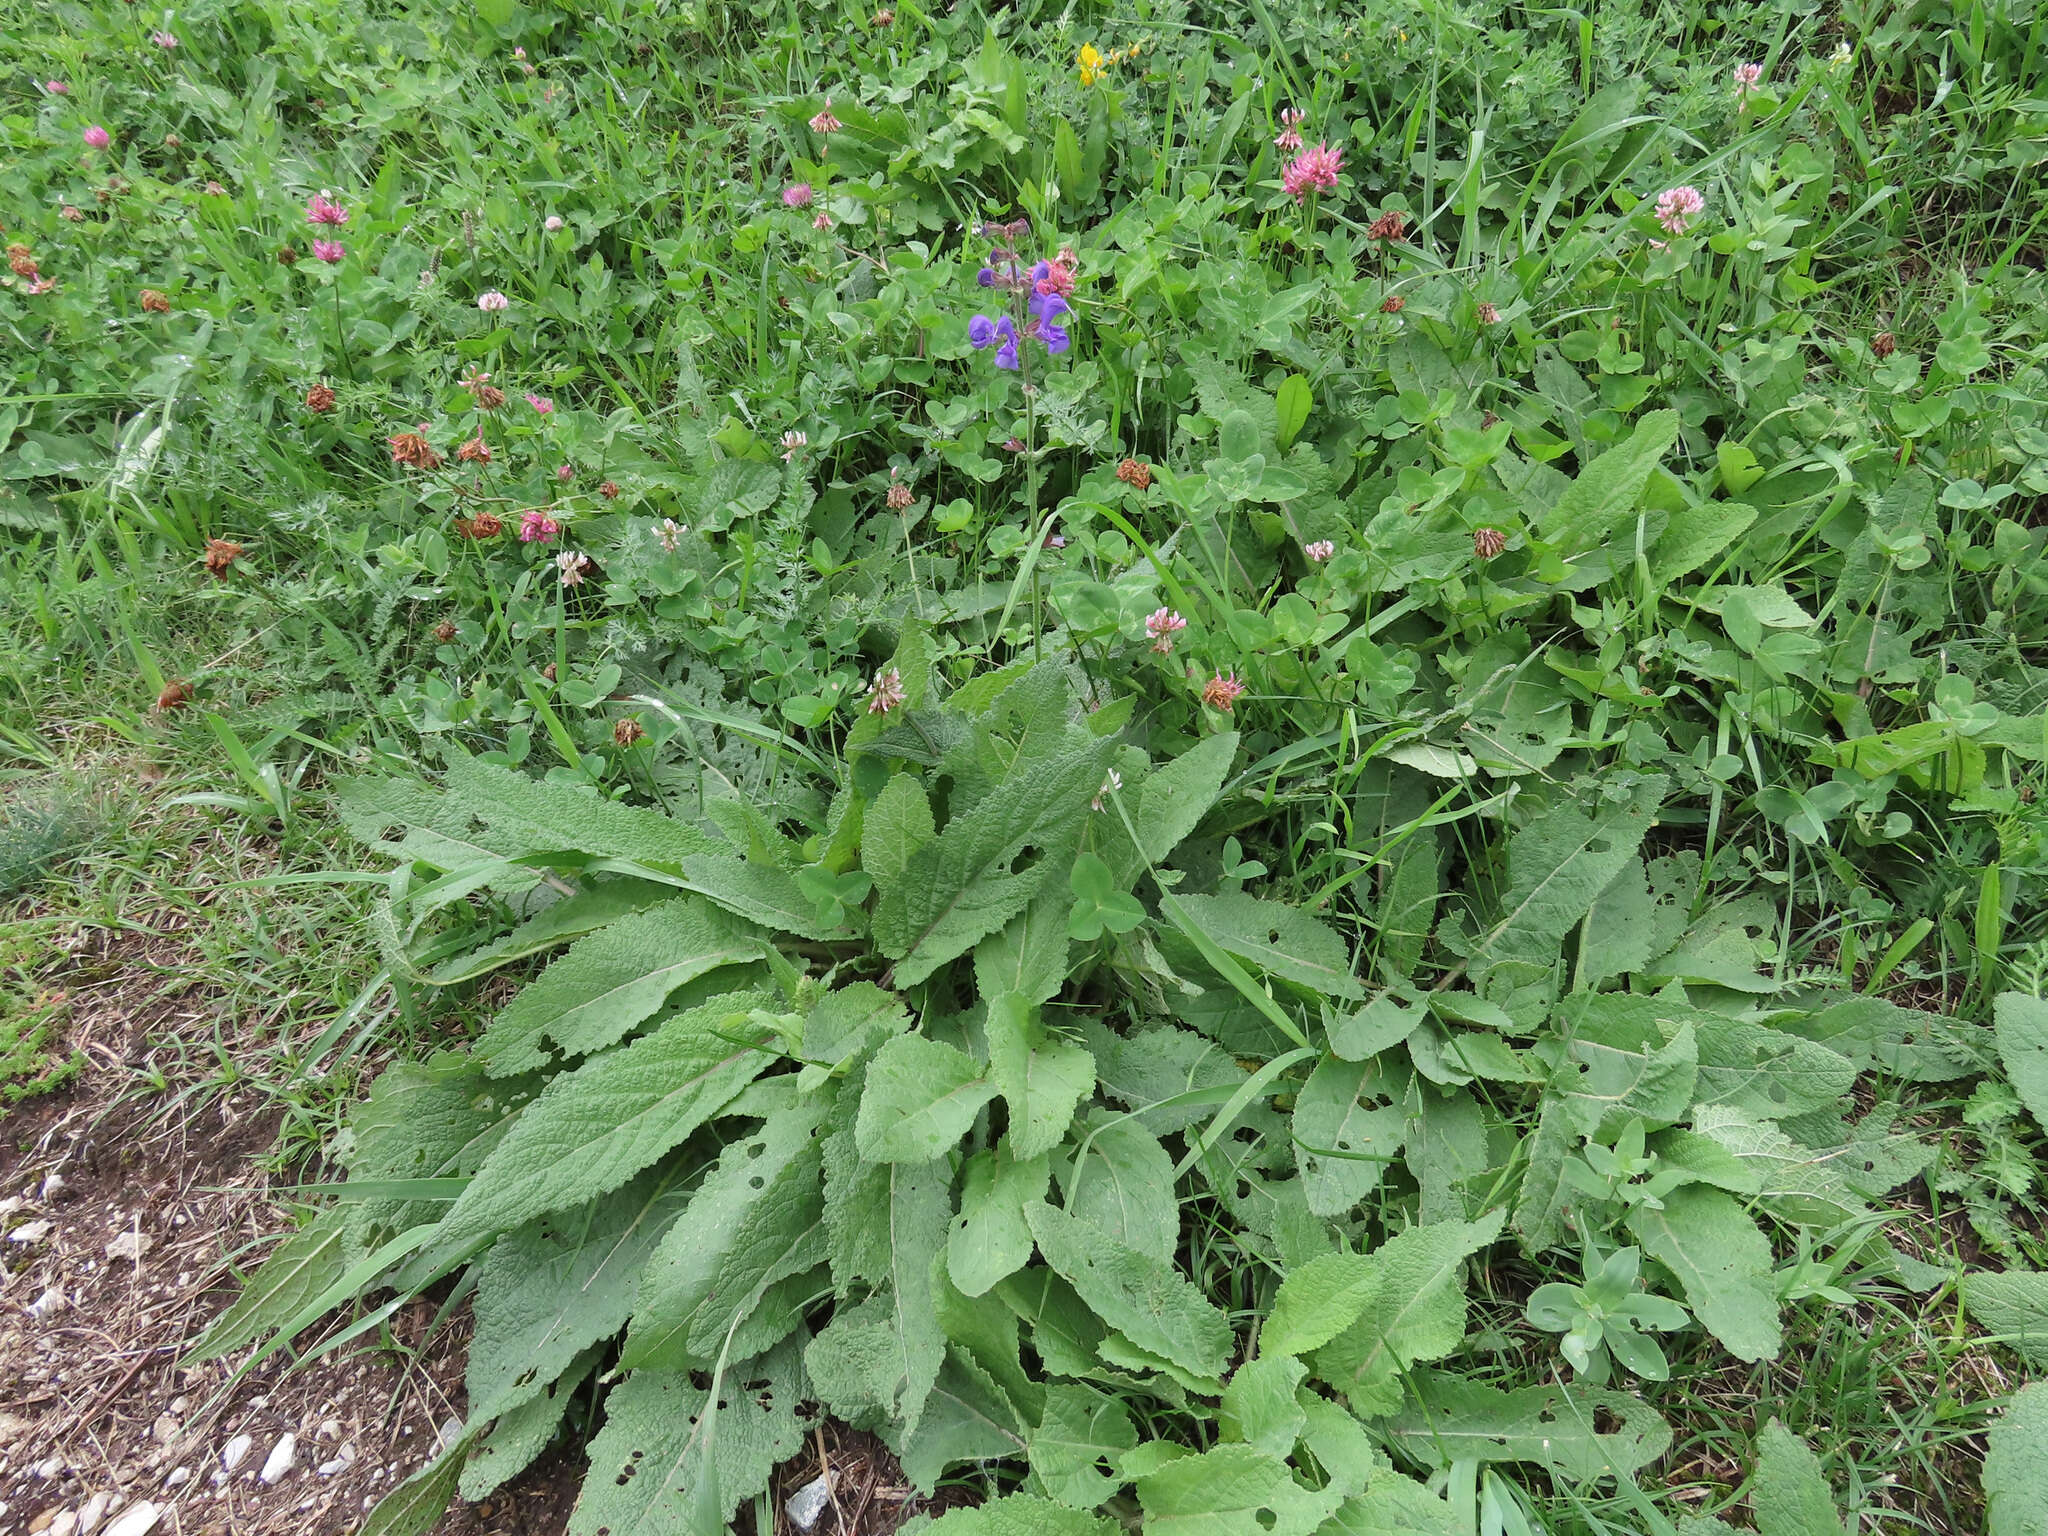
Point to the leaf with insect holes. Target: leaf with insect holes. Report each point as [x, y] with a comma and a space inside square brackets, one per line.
[1349, 1125]
[1278, 939]
[1609, 491]
[610, 981]
[1231, 1490]
[675, 1457]
[921, 1096]
[1142, 1297]
[541, 815]
[1019, 1514]
[1557, 867]
[1584, 1434]
[2016, 1465]
[990, 1238]
[594, 1128]
[1041, 1077]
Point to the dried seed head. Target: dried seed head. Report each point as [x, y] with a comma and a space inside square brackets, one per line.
[899, 496]
[627, 731]
[319, 399]
[1884, 344]
[1135, 473]
[176, 695]
[1393, 304]
[609, 490]
[1488, 542]
[220, 554]
[445, 631]
[154, 301]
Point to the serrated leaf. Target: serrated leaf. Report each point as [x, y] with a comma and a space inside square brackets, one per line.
[759, 893]
[1141, 1296]
[593, 907]
[1280, 940]
[1078, 1432]
[1122, 1181]
[1318, 1301]
[1789, 1495]
[1396, 1506]
[1017, 1514]
[1028, 955]
[1348, 1127]
[2015, 1305]
[1041, 1078]
[522, 1433]
[1551, 1426]
[895, 827]
[1176, 796]
[1146, 1067]
[755, 1218]
[1722, 1261]
[2020, 1023]
[965, 1418]
[544, 816]
[1417, 1312]
[548, 1291]
[990, 1238]
[967, 882]
[607, 983]
[1558, 865]
[2016, 1465]
[921, 1096]
[1608, 492]
[672, 1454]
[594, 1128]
[1231, 1490]
[1259, 1405]
[1063, 1331]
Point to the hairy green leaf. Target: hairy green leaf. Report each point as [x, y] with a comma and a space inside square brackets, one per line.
[1551, 1426]
[1790, 1496]
[921, 1096]
[1040, 1077]
[2016, 1465]
[1278, 939]
[1724, 1263]
[1141, 1296]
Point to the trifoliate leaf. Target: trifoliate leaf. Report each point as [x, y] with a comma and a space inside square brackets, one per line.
[1099, 906]
[1135, 1293]
[920, 1098]
[1723, 1262]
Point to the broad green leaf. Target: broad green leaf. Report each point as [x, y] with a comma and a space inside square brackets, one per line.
[893, 828]
[965, 883]
[1723, 1262]
[1040, 1077]
[921, 1096]
[1278, 939]
[1789, 1496]
[297, 1271]
[1259, 1405]
[1232, 1490]
[520, 1434]
[759, 893]
[548, 1291]
[1141, 1296]
[1550, 1426]
[761, 1201]
[1379, 1026]
[544, 816]
[2021, 1024]
[1291, 404]
[1408, 910]
[988, 1329]
[1607, 493]
[1018, 1514]
[594, 1128]
[1417, 1312]
[1145, 1067]
[1348, 1128]
[1396, 1506]
[1319, 1301]
[989, 1238]
[607, 983]
[1338, 1443]
[1539, 1208]
[672, 1453]
[1558, 865]
[1619, 1064]
[848, 1020]
[1063, 1331]
[1029, 954]
[589, 909]
[416, 1505]
[1080, 1429]
[1766, 1072]
[1176, 796]
[2016, 1465]
[1122, 1181]
[966, 1418]
[2014, 1305]
[1697, 535]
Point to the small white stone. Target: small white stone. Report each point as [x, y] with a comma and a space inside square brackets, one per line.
[29, 1232]
[64, 1525]
[236, 1451]
[51, 1187]
[343, 1460]
[130, 1246]
[450, 1432]
[178, 1477]
[54, 1467]
[330, 1429]
[165, 1429]
[283, 1456]
[10, 1205]
[808, 1502]
[93, 1512]
[48, 1305]
[136, 1520]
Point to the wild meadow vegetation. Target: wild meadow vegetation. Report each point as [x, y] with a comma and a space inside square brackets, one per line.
[1256, 770]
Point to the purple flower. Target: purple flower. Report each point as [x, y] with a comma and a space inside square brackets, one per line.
[1055, 338]
[985, 278]
[981, 330]
[1048, 307]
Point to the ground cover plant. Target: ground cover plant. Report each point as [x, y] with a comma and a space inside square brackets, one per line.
[1249, 772]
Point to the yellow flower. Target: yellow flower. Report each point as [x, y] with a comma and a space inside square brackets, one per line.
[1090, 62]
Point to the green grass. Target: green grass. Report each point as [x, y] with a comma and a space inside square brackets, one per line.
[1766, 606]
